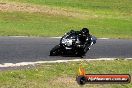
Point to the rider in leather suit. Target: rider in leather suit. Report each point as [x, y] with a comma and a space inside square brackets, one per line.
[84, 38]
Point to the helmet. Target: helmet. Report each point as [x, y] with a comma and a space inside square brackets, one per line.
[85, 31]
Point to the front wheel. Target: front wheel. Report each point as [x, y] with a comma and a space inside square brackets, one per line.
[55, 51]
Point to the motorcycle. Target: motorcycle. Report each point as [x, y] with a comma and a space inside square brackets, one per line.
[70, 45]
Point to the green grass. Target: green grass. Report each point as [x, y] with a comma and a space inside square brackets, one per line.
[120, 5]
[62, 75]
[20, 23]
[111, 18]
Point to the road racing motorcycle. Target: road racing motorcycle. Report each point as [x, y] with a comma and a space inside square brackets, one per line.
[70, 45]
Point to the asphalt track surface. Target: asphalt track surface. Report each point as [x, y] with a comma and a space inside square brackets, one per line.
[31, 49]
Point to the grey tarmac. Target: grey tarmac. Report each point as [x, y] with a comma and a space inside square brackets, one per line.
[31, 49]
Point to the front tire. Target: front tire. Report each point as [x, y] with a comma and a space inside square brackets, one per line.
[55, 51]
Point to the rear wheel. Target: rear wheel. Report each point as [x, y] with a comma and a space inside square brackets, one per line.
[80, 52]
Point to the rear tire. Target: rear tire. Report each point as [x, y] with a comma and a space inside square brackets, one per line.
[80, 52]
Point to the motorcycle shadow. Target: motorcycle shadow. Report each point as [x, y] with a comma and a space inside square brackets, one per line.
[69, 56]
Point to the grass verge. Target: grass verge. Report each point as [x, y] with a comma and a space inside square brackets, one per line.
[111, 19]
[40, 24]
[62, 75]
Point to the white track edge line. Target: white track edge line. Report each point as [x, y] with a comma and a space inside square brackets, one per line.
[55, 61]
[49, 37]
[60, 37]
[18, 36]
